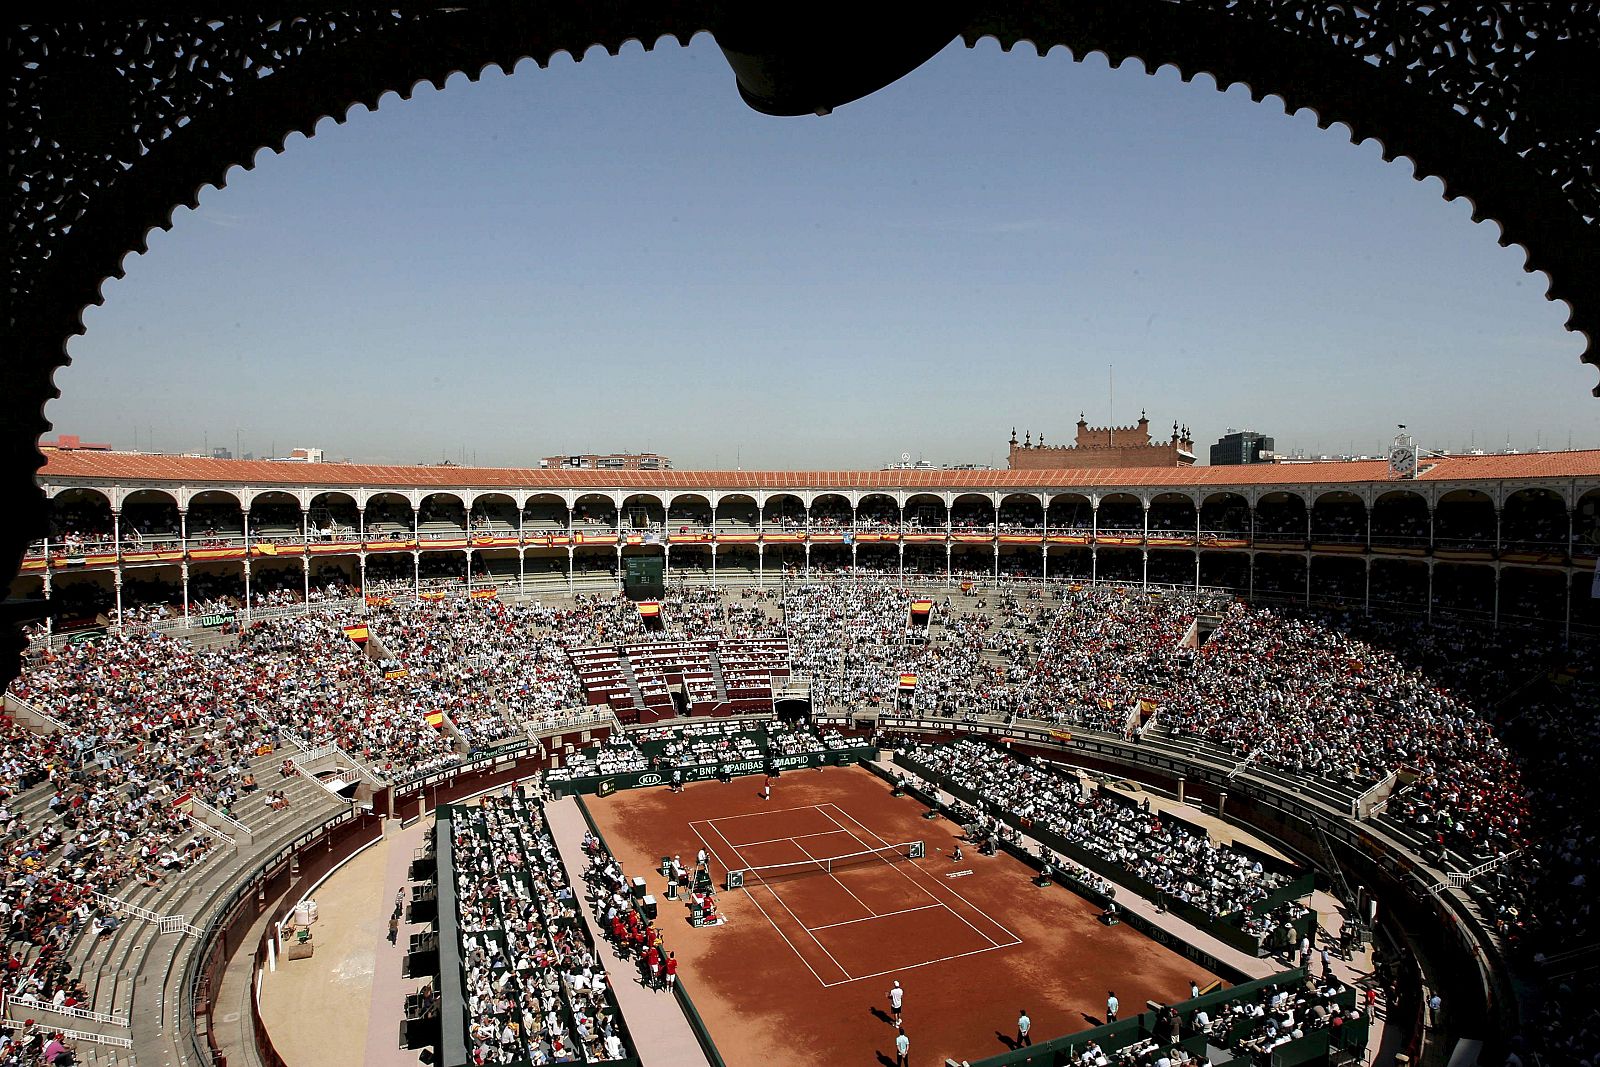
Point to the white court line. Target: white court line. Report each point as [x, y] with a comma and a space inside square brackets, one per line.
[772, 840]
[842, 969]
[764, 914]
[885, 915]
[872, 913]
[914, 966]
[753, 814]
[1015, 940]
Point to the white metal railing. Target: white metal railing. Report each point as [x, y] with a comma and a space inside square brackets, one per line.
[1459, 878]
[1365, 806]
[1240, 767]
[37, 1004]
[166, 924]
[24, 710]
[365, 770]
[21, 1026]
[211, 831]
[228, 822]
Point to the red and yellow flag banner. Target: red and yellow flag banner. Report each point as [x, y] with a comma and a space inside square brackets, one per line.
[908, 681]
[921, 607]
[649, 609]
[375, 601]
[484, 594]
[435, 719]
[398, 672]
[358, 633]
[432, 594]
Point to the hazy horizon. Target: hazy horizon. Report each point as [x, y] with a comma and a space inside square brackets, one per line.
[618, 255]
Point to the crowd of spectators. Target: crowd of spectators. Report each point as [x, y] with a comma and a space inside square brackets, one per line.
[634, 937]
[1341, 699]
[536, 994]
[1168, 855]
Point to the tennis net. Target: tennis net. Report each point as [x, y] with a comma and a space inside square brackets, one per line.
[778, 872]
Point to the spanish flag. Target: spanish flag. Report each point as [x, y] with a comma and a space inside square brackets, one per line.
[358, 633]
[908, 681]
[1105, 703]
[484, 594]
[266, 548]
[398, 672]
[649, 609]
[1146, 706]
[435, 719]
[921, 607]
[432, 595]
[379, 601]
[1060, 735]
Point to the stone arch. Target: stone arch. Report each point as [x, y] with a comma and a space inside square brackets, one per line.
[737, 511]
[642, 511]
[831, 509]
[333, 512]
[215, 514]
[1281, 516]
[1586, 525]
[926, 511]
[689, 509]
[1068, 512]
[1534, 518]
[494, 513]
[1339, 516]
[442, 513]
[388, 512]
[1464, 520]
[1400, 518]
[1021, 511]
[972, 511]
[81, 513]
[1225, 514]
[275, 512]
[784, 509]
[877, 509]
[545, 512]
[1173, 512]
[1120, 513]
[595, 510]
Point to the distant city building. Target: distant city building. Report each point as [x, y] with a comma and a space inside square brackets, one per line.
[70, 442]
[616, 461]
[924, 465]
[1104, 446]
[1240, 446]
[221, 453]
[306, 455]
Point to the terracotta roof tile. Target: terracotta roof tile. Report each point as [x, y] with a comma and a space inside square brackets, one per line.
[261, 473]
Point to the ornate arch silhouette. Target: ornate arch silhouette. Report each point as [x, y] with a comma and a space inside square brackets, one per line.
[115, 121]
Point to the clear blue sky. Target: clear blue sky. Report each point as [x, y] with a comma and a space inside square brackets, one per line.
[619, 254]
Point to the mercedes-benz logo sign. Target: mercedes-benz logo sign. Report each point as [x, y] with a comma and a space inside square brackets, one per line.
[651, 779]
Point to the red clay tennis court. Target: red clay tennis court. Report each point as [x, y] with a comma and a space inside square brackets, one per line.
[851, 904]
[800, 971]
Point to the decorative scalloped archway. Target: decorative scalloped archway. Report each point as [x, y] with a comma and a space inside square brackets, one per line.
[115, 124]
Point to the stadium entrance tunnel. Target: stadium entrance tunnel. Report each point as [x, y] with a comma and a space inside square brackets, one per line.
[793, 709]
